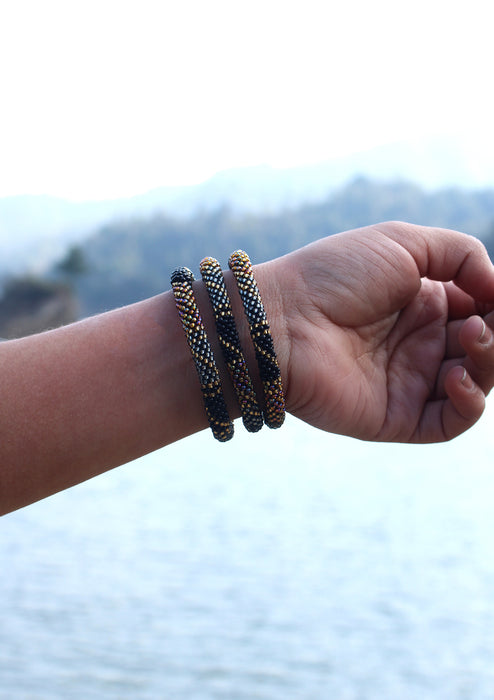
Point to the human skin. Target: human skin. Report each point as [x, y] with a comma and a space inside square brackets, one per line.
[383, 333]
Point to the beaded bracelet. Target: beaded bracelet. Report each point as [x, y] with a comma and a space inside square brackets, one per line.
[269, 370]
[202, 353]
[230, 344]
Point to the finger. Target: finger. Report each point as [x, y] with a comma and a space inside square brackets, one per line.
[454, 348]
[447, 418]
[465, 403]
[460, 304]
[456, 337]
[447, 365]
[441, 254]
[478, 340]
[469, 343]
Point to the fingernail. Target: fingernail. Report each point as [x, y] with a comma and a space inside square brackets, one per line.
[466, 380]
[482, 332]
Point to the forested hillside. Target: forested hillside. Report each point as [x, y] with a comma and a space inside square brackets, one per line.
[129, 260]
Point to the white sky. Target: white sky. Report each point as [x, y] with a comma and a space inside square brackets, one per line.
[103, 98]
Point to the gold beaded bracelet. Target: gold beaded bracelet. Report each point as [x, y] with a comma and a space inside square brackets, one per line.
[202, 353]
[201, 350]
[230, 344]
[269, 370]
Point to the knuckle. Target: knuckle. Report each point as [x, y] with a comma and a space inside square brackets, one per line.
[476, 245]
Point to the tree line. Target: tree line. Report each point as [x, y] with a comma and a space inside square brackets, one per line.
[129, 260]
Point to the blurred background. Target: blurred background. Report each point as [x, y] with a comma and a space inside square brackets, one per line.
[135, 137]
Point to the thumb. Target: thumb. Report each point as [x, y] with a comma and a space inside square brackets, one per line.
[443, 254]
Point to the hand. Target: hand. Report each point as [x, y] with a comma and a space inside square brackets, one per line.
[383, 335]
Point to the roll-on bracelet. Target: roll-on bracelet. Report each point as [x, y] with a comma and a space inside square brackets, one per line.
[202, 353]
[269, 370]
[230, 344]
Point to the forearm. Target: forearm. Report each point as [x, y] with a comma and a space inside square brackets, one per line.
[88, 397]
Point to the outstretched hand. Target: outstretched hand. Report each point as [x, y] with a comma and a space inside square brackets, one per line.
[385, 332]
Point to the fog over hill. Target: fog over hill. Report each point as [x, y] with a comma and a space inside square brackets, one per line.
[35, 230]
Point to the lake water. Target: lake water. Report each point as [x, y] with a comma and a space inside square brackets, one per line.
[290, 564]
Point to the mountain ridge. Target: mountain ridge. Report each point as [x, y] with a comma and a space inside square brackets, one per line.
[36, 229]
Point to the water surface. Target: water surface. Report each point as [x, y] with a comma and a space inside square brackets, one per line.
[289, 564]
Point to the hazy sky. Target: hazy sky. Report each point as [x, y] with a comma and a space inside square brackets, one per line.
[109, 98]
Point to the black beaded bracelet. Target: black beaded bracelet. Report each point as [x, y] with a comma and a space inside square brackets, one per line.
[202, 353]
[230, 344]
[269, 370]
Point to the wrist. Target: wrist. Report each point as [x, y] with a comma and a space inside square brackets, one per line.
[239, 301]
[266, 280]
[269, 276]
